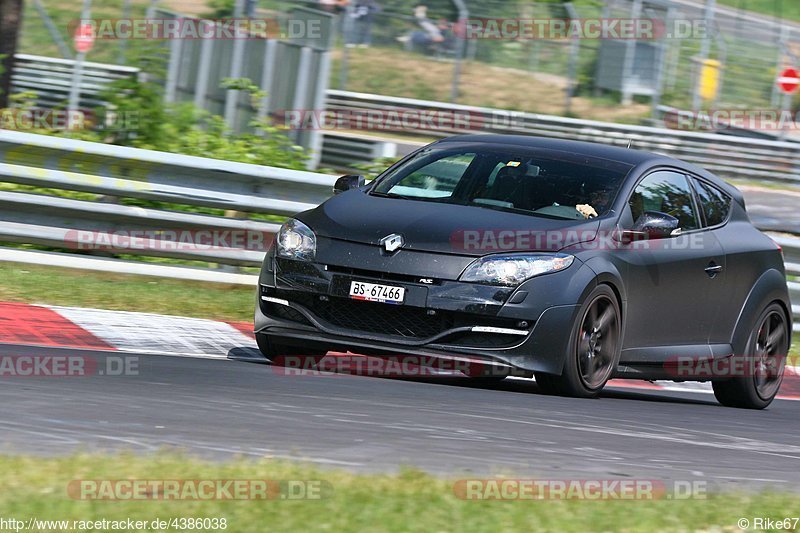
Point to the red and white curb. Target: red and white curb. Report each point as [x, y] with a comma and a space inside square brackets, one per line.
[96, 329]
[75, 327]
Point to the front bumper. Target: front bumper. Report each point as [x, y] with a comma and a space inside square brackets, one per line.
[307, 304]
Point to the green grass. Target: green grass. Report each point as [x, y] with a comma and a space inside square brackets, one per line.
[36, 39]
[787, 9]
[407, 501]
[79, 288]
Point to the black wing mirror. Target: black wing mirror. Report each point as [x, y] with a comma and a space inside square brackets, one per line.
[657, 225]
[345, 183]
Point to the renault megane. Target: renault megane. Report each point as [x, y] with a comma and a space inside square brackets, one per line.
[574, 262]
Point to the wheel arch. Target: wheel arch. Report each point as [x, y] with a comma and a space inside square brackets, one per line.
[769, 288]
[606, 273]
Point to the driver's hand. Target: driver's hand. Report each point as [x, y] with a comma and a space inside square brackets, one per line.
[586, 210]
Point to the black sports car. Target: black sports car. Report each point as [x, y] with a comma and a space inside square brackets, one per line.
[574, 262]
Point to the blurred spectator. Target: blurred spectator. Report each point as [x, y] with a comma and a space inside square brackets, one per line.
[362, 14]
[333, 6]
[434, 38]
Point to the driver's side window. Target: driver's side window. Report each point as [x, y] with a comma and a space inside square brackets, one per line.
[665, 192]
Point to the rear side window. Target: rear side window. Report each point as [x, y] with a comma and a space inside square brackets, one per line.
[714, 203]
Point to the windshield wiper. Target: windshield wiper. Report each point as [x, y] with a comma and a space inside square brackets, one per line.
[393, 195]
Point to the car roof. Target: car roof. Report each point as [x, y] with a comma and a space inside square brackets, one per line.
[635, 158]
[603, 151]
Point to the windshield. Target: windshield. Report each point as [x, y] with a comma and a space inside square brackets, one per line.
[535, 182]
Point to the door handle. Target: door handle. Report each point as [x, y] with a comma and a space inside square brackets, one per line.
[713, 269]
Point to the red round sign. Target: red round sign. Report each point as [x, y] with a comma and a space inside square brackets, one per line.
[789, 80]
[84, 38]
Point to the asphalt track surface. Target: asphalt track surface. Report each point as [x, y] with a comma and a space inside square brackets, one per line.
[773, 209]
[222, 408]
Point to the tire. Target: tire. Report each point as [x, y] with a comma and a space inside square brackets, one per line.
[273, 350]
[594, 348]
[763, 362]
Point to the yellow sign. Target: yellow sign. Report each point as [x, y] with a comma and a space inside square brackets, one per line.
[709, 78]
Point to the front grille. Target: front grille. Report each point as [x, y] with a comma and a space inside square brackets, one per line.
[384, 319]
[398, 320]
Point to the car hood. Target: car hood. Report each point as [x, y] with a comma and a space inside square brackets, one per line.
[445, 228]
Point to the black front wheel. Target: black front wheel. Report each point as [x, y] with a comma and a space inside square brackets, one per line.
[593, 351]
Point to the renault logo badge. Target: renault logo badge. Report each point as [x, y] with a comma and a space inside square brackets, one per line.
[392, 243]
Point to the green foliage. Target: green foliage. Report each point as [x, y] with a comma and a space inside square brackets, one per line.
[220, 8]
[373, 169]
[143, 121]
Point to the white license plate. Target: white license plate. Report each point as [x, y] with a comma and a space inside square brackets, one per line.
[377, 293]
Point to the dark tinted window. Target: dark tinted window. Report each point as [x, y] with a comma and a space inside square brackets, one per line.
[714, 203]
[666, 192]
[516, 179]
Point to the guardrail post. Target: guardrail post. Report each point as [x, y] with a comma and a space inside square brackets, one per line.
[201, 89]
[315, 136]
[270, 46]
[175, 46]
[301, 84]
[232, 95]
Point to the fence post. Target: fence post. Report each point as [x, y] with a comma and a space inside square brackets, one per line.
[705, 47]
[75, 89]
[463, 16]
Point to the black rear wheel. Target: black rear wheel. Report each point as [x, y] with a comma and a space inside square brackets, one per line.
[593, 351]
[762, 364]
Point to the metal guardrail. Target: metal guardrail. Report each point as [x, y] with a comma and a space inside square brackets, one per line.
[791, 253]
[50, 79]
[116, 173]
[344, 151]
[728, 156]
[120, 173]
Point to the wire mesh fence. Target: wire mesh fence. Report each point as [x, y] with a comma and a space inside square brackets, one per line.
[663, 70]
[408, 40]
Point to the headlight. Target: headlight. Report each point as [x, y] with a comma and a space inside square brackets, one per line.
[296, 241]
[513, 269]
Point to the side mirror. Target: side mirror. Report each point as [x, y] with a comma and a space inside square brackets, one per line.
[657, 225]
[345, 183]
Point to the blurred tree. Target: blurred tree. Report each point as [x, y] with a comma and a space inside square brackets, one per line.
[10, 23]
